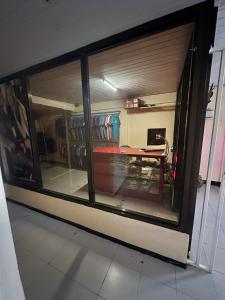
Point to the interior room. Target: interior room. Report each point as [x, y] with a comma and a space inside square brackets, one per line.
[133, 92]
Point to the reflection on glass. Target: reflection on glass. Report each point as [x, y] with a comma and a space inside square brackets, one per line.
[218, 164]
[15, 141]
[58, 113]
[133, 91]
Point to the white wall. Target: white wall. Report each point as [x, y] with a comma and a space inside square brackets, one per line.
[10, 283]
[139, 123]
[33, 31]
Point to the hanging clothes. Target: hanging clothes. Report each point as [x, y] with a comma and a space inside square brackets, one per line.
[115, 121]
[105, 130]
[108, 127]
[104, 127]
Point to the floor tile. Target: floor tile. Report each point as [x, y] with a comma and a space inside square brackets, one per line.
[159, 271]
[65, 230]
[34, 239]
[16, 211]
[196, 283]
[51, 245]
[120, 283]
[90, 269]
[30, 267]
[37, 219]
[152, 290]
[74, 291]
[47, 285]
[182, 296]
[50, 224]
[68, 181]
[131, 259]
[219, 280]
[21, 228]
[20, 249]
[65, 260]
[95, 243]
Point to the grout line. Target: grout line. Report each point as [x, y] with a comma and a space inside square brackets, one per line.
[140, 273]
[85, 287]
[221, 273]
[139, 281]
[188, 295]
[113, 258]
[175, 271]
[62, 174]
[176, 294]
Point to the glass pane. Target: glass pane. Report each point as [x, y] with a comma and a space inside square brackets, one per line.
[216, 175]
[57, 106]
[15, 141]
[133, 91]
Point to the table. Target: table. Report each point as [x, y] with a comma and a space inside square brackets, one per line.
[103, 173]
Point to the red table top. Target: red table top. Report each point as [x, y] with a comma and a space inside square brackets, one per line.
[137, 152]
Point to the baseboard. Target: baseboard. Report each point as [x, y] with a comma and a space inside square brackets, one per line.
[150, 253]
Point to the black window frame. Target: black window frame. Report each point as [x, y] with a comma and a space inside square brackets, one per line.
[204, 37]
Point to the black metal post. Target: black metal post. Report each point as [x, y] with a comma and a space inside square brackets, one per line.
[87, 120]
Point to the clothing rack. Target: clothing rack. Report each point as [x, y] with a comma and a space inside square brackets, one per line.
[105, 127]
[105, 113]
[97, 113]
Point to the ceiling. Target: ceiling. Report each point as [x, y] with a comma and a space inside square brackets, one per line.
[148, 66]
[35, 31]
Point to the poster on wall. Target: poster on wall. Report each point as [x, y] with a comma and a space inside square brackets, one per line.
[15, 141]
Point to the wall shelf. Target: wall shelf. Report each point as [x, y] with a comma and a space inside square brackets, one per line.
[169, 107]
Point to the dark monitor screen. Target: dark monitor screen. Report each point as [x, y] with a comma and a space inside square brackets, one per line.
[156, 136]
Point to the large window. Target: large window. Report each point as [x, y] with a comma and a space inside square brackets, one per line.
[119, 127]
[133, 91]
[57, 106]
[138, 108]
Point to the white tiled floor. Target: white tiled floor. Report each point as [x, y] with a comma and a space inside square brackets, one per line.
[59, 261]
[64, 180]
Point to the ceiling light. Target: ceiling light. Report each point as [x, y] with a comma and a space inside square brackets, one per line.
[110, 85]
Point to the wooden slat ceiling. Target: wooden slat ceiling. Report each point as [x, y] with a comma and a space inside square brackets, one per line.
[148, 66]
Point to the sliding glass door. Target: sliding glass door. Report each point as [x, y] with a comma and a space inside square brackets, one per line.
[133, 92]
[57, 110]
